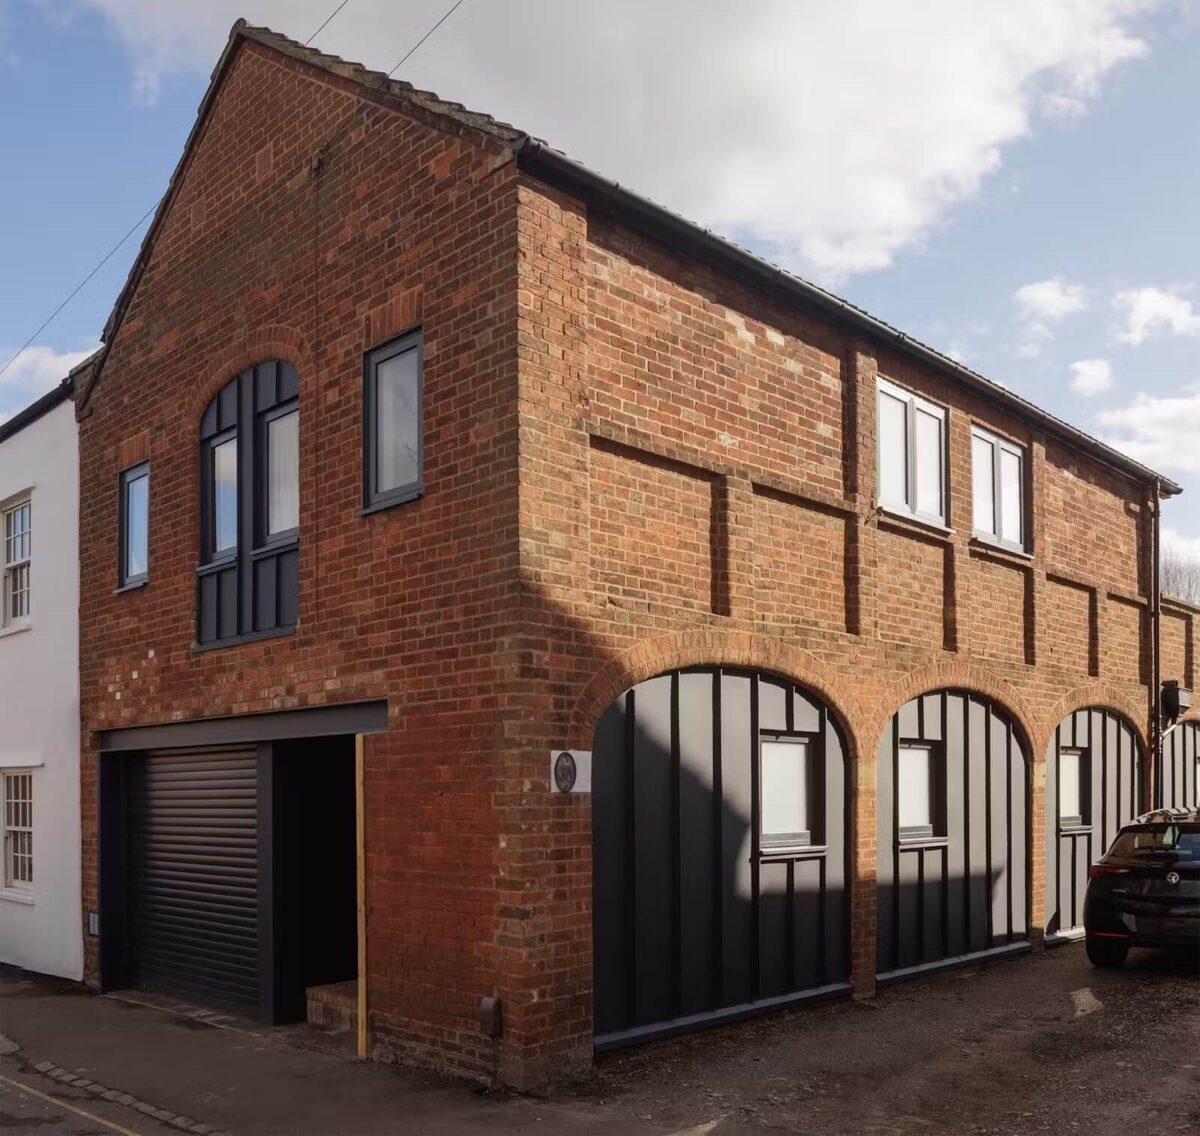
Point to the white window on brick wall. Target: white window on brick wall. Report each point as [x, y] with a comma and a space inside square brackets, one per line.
[18, 552]
[17, 815]
[998, 488]
[911, 467]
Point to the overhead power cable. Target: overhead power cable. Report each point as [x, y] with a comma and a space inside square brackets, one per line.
[141, 220]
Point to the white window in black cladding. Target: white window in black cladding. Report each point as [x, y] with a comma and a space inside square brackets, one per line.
[248, 577]
[392, 447]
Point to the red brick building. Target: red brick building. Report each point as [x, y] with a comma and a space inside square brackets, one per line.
[861, 644]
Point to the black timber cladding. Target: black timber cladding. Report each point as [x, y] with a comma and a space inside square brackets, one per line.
[192, 856]
[1112, 792]
[1181, 766]
[251, 589]
[693, 920]
[964, 890]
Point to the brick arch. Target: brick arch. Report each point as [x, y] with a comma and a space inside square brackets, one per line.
[273, 341]
[1098, 696]
[954, 676]
[711, 647]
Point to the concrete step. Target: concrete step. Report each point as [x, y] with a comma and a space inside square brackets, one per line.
[334, 1006]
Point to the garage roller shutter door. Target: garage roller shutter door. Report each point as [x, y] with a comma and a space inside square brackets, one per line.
[192, 856]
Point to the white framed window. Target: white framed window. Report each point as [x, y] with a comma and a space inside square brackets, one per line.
[1072, 788]
[17, 815]
[998, 488]
[918, 792]
[17, 552]
[785, 792]
[911, 451]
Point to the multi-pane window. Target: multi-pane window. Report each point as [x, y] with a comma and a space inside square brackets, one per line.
[785, 792]
[18, 829]
[18, 550]
[248, 578]
[917, 792]
[392, 450]
[1072, 788]
[911, 434]
[134, 558]
[998, 489]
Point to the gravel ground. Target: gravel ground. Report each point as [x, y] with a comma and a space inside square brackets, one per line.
[1042, 1043]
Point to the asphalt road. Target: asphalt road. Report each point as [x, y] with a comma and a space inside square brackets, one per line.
[1040, 1044]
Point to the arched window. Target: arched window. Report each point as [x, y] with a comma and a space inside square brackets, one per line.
[248, 577]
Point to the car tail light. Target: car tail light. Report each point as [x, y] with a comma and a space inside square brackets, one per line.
[1098, 870]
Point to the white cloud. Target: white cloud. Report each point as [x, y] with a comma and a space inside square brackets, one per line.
[1188, 546]
[1160, 431]
[829, 136]
[1091, 377]
[35, 371]
[1148, 311]
[1040, 306]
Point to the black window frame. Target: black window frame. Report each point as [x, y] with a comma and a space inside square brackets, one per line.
[814, 837]
[939, 827]
[209, 554]
[249, 591]
[263, 537]
[124, 479]
[373, 498]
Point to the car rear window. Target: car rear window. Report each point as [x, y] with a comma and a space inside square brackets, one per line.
[1179, 841]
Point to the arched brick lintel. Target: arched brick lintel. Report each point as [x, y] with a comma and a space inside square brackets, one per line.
[711, 647]
[272, 341]
[1096, 696]
[955, 676]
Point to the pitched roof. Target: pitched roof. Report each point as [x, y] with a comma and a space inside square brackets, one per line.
[548, 164]
[56, 395]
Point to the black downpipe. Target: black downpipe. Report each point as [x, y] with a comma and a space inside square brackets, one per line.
[1156, 657]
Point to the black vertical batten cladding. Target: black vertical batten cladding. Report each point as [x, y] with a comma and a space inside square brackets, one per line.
[748, 927]
[1112, 756]
[253, 589]
[676, 860]
[1181, 765]
[949, 922]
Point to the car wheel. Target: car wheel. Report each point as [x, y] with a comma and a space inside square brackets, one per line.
[1106, 952]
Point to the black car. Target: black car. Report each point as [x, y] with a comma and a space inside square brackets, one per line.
[1145, 890]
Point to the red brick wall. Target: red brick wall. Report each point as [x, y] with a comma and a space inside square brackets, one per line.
[628, 348]
[404, 225]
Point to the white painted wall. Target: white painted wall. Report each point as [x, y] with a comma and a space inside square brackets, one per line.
[39, 697]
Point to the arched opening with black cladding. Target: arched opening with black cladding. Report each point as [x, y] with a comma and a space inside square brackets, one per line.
[952, 821]
[720, 858]
[1180, 775]
[1093, 786]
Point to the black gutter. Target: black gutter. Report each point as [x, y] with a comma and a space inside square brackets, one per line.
[1156, 718]
[555, 168]
[35, 410]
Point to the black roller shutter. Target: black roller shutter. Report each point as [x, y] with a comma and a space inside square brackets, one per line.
[192, 856]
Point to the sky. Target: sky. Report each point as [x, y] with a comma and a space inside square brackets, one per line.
[1017, 184]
